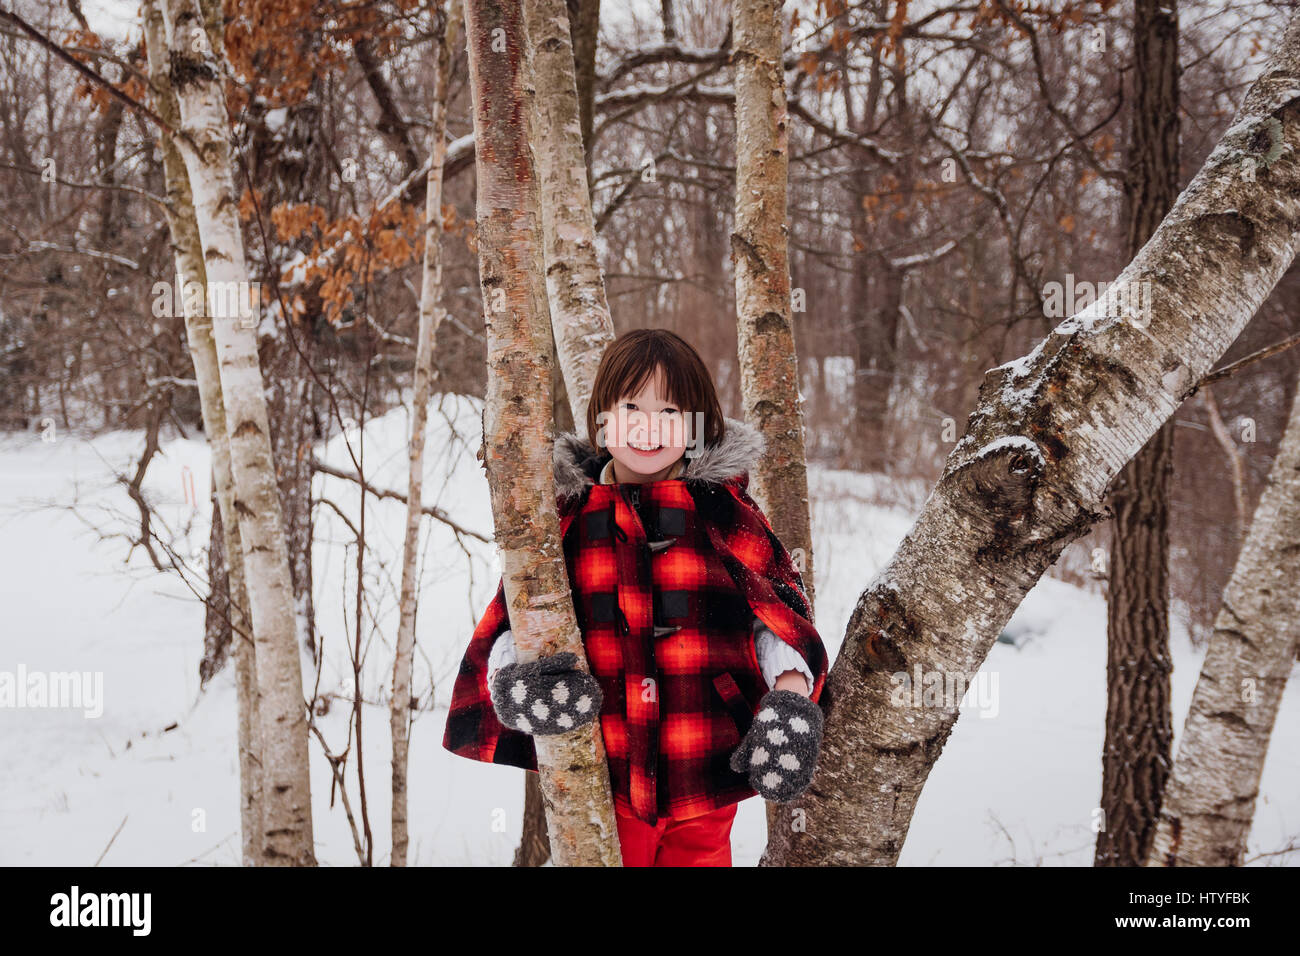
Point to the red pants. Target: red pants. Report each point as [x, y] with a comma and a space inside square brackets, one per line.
[699, 841]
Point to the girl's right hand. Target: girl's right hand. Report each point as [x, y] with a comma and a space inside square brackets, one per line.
[545, 697]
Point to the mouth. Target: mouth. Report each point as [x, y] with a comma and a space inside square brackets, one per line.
[644, 450]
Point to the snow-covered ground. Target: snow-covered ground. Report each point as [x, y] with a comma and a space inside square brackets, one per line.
[153, 780]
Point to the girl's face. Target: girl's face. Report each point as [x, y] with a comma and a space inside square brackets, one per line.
[645, 433]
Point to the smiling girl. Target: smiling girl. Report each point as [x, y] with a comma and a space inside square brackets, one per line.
[705, 670]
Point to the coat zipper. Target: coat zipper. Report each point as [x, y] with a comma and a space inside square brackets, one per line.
[632, 495]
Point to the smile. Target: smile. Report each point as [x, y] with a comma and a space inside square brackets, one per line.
[644, 449]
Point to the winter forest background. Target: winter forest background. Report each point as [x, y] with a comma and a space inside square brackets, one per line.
[954, 169]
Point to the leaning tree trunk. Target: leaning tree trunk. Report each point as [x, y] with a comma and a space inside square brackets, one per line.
[1210, 799]
[769, 366]
[516, 424]
[286, 835]
[574, 283]
[431, 314]
[1049, 433]
[1139, 726]
[184, 229]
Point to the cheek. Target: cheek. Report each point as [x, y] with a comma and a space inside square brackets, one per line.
[672, 433]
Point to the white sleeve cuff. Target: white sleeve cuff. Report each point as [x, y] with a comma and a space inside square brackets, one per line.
[775, 656]
[502, 653]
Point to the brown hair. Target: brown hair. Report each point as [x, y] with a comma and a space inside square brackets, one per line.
[630, 362]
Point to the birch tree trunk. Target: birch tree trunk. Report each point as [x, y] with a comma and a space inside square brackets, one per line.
[575, 284]
[431, 314]
[286, 834]
[1209, 802]
[1049, 433]
[769, 365]
[1139, 727]
[516, 423]
[183, 227]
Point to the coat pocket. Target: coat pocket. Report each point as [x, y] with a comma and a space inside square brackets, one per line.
[735, 701]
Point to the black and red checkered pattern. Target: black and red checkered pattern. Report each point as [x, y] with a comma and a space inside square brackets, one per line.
[665, 594]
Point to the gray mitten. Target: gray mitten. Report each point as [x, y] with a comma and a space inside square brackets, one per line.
[780, 750]
[546, 696]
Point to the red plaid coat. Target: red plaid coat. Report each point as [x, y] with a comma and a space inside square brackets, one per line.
[667, 578]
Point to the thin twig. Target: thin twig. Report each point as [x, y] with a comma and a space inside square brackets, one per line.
[430, 510]
[90, 74]
[111, 839]
[1219, 375]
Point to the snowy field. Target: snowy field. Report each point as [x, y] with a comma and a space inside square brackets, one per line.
[153, 780]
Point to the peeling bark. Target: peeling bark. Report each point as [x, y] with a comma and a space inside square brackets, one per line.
[760, 256]
[1030, 474]
[517, 429]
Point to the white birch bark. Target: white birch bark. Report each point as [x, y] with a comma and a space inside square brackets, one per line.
[184, 230]
[517, 427]
[1030, 474]
[431, 314]
[286, 835]
[769, 365]
[575, 284]
[1209, 800]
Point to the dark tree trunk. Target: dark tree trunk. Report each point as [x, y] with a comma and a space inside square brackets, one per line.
[216, 621]
[112, 202]
[876, 287]
[535, 845]
[584, 28]
[877, 340]
[1139, 727]
[291, 398]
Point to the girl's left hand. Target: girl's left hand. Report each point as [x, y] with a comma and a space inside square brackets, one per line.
[793, 680]
[779, 752]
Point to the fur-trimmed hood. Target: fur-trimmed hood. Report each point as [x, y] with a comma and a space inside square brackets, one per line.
[577, 464]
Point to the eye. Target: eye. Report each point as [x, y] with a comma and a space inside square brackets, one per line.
[668, 411]
[629, 405]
